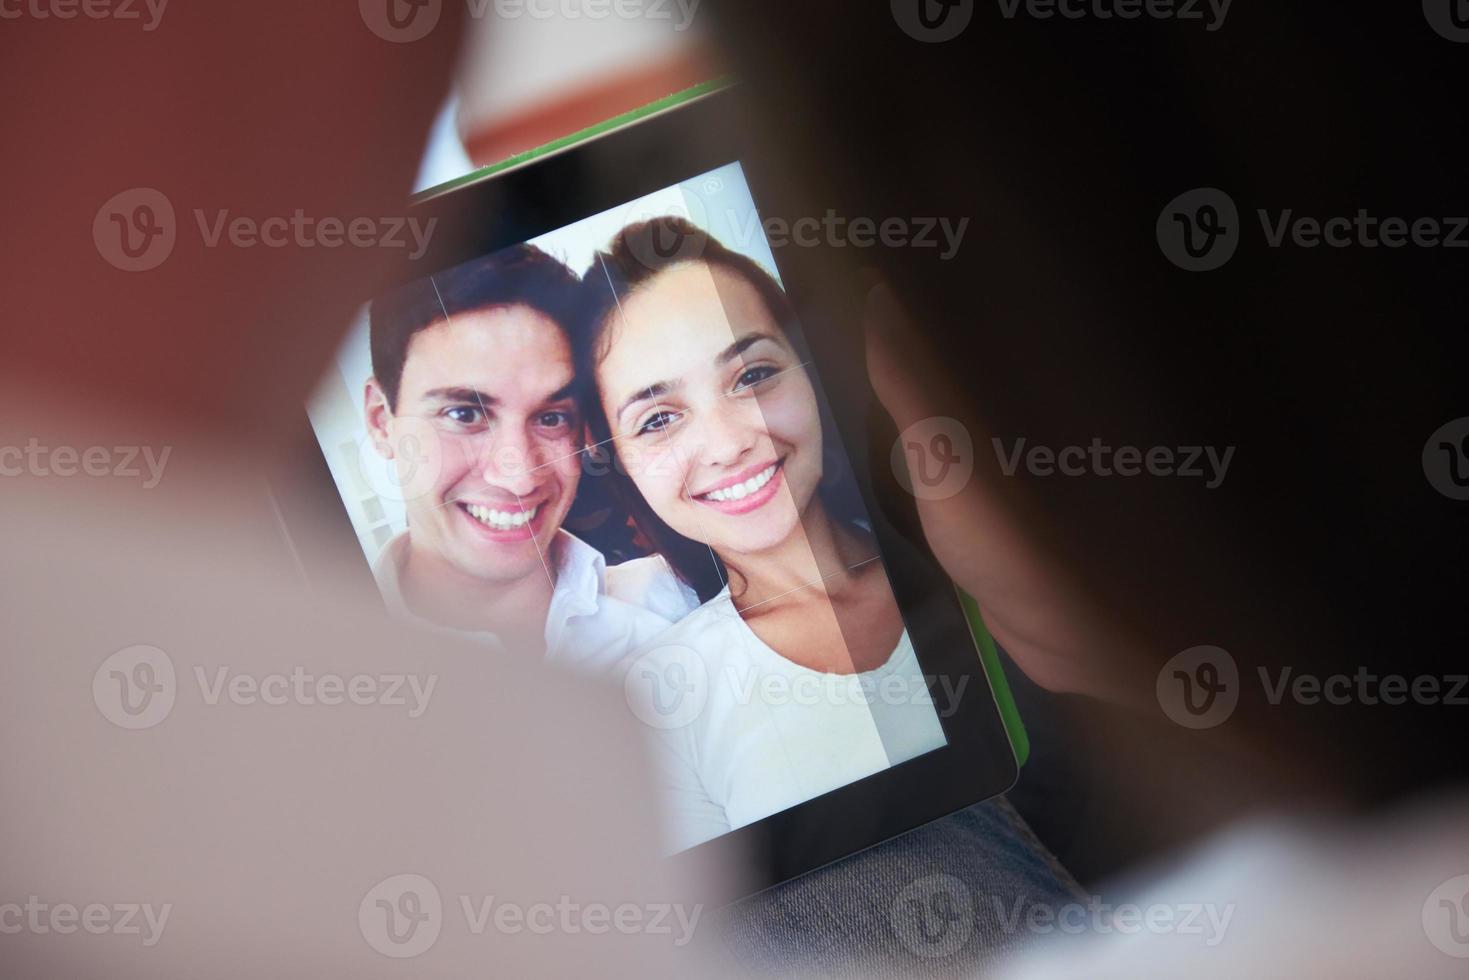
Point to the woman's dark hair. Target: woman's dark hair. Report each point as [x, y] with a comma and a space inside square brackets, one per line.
[637, 255]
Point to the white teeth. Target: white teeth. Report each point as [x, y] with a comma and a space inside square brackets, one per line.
[502, 520]
[741, 490]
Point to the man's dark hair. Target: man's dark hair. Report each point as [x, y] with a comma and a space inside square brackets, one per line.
[519, 276]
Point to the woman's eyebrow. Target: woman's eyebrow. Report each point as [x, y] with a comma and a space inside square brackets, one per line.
[740, 346]
[656, 390]
[661, 388]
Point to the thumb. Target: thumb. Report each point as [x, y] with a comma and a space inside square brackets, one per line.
[905, 375]
[913, 387]
[983, 530]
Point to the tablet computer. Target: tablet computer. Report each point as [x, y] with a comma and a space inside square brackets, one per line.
[598, 415]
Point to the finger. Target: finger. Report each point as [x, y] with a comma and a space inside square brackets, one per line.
[988, 535]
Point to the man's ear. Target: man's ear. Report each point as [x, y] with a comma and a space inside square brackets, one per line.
[379, 414]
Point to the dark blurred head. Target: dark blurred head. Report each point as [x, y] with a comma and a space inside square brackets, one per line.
[1325, 550]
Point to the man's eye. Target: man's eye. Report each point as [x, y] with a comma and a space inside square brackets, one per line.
[464, 414]
[554, 420]
[755, 375]
[657, 422]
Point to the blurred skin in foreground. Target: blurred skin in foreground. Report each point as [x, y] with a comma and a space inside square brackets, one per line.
[271, 830]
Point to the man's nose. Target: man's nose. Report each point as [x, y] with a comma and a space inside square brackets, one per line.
[512, 464]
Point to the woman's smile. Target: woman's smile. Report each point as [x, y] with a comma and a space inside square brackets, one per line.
[745, 492]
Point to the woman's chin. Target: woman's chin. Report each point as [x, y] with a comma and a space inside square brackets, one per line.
[753, 535]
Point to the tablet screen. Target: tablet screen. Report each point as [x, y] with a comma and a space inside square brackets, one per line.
[609, 445]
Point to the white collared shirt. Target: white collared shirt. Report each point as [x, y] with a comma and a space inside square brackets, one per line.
[598, 615]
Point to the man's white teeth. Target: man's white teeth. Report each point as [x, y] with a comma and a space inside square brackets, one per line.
[503, 520]
[741, 490]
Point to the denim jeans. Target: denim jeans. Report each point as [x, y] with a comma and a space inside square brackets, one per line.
[944, 900]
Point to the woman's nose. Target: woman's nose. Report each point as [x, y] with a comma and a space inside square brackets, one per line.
[725, 433]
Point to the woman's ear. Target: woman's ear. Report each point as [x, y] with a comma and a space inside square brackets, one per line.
[379, 414]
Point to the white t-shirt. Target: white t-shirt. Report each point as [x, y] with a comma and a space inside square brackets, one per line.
[742, 733]
[598, 615]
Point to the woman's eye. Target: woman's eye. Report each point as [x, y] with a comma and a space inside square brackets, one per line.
[464, 414]
[755, 375]
[657, 422]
